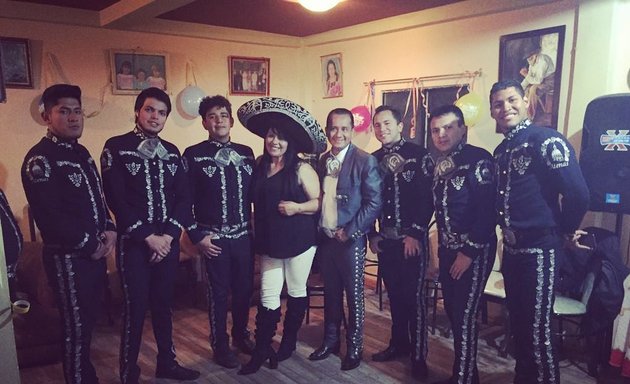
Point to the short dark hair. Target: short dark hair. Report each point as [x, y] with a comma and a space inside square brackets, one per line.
[505, 84]
[207, 103]
[339, 111]
[445, 110]
[383, 108]
[52, 94]
[155, 93]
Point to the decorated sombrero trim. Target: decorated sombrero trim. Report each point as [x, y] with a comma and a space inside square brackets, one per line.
[290, 109]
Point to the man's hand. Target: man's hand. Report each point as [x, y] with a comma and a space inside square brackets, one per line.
[160, 245]
[341, 235]
[412, 246]
[460, 265]
[110, 242]
[572, 241]
[433, 272]
[100, 252]
[374, 247]
[288, 208]
[208, 249]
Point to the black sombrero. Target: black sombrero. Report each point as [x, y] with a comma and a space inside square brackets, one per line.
[260, 114]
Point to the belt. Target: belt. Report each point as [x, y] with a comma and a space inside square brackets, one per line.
[391, 233]
[513, 236]
[453, 240]
[226, 230]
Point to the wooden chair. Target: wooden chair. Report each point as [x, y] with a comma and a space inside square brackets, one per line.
[371, 261]
[495, 292]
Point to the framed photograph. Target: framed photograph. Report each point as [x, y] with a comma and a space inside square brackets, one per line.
[332, 75]
[534, 58]
[3, 91]
[249, 75]
[133, 71]
[16, 62]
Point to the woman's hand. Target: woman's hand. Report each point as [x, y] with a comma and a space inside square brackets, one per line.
[289, 208]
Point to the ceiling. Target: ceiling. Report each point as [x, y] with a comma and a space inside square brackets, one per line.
[285, 17]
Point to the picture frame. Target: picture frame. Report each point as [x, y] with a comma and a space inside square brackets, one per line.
[132, 71]
[16, 62]
[3, 90]
[534, 58]
[249, 75]
[332, 75]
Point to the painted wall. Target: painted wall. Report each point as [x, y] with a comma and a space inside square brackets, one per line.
[451, 39]
[82, 55]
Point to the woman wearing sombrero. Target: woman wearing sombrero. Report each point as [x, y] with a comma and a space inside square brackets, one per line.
[286, 199]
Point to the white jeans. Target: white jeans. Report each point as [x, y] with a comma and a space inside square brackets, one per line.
[294, 270]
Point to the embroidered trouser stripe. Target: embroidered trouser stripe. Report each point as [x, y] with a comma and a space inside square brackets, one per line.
[78, 283]
[145, 286]
[461, 301]
[342, 266]
[529, 275]
[418, 326]
[404, 280]
[230, 272]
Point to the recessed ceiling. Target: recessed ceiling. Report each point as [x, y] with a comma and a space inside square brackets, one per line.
[290, 18]
[285, 17]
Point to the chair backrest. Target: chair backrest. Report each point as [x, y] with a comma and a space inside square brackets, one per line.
[587, 287]
[499, 257]
[433, 245]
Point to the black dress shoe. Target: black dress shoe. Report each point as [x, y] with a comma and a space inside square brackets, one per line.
[351, 361]
[450, 380]
[176, 372]
[244, 344]
[419, 369]
[226, 358]
[390, 353]
[323, 352]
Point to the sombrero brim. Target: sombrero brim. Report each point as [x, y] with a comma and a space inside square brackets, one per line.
[260, 114]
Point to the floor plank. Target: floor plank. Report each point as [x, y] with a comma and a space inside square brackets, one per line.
[191, 338]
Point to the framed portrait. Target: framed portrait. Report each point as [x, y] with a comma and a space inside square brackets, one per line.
[3, 91]
[133, 71]
[534, 58]
[16, 62]
[249, 75]
[332, 75]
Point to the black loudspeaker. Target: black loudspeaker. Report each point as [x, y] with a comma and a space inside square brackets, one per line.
[605, 155]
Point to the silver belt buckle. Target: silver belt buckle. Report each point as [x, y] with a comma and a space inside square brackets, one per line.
[509, 236]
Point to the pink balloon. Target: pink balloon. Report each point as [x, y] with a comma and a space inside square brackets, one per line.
[362, 118]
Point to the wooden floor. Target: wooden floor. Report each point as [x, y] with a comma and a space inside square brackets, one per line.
[191, 333]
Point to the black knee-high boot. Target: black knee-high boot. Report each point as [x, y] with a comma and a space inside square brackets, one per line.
[296, 309]
[266, 322]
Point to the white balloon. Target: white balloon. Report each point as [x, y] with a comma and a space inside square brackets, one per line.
[189, 100]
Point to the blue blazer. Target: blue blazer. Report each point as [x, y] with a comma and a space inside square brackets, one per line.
[358, 191]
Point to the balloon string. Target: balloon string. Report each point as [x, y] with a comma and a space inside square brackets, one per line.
[414, 110]
[425, 102]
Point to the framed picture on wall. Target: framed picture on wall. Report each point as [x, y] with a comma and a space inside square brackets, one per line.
[133, 71]
[3, 91]
[332, 75]
[16, 62]
[249, 75]
[534, 58]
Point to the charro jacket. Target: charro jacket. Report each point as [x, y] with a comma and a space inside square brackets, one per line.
[359, 191]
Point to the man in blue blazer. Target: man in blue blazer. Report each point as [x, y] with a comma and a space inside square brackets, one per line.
[351, 201]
